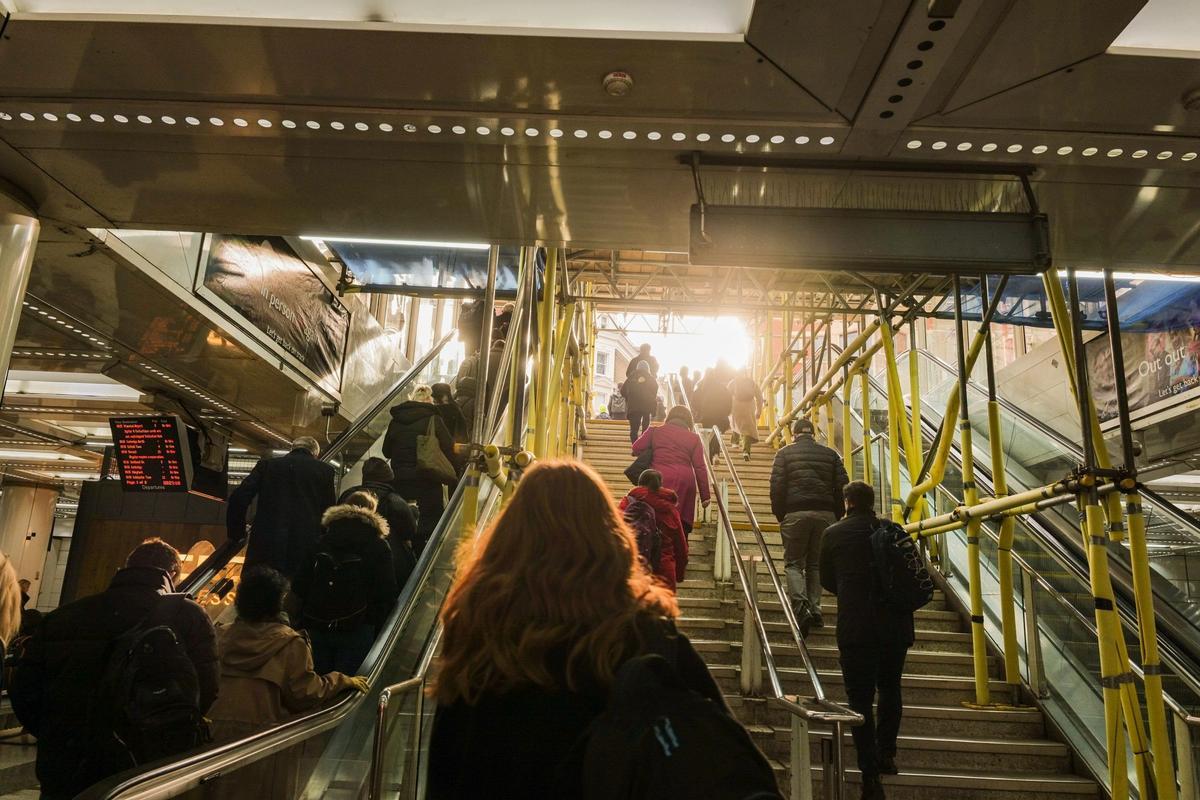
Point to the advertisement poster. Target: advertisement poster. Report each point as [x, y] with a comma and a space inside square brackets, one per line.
[1161, 367]
[277, 292]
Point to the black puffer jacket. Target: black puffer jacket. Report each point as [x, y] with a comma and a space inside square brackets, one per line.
[807, 476]
[411, 419]
[351, 531]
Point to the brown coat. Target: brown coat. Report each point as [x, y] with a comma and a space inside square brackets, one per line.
[266, 677]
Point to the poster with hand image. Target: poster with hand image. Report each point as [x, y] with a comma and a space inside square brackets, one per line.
[264, 281]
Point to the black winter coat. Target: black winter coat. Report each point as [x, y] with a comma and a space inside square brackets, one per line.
[631, 369]
[293, 492]
[411, 419]
[807, 476]
[511, 746]
[848, 571]
[351, 530]
[641, 393]
[712, 404]
[402, 526]
[54, 686]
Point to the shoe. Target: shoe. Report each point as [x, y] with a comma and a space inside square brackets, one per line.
[745, 456]
[872, 789]
[887, 765]
[804, 620]
[818, 622]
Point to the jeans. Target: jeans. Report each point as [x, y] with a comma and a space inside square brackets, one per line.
[801, 532]
[639, 422]
[341, 649]
[867, 668]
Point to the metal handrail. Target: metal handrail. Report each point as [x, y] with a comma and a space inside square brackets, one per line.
[1088, 623]
[1047, 540]
[417, 681]
[207, 570]
[1158, 501]
[177, 775]
[826, 711]
[1054, 548]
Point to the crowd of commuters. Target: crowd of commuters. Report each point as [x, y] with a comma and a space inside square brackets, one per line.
[531, 657]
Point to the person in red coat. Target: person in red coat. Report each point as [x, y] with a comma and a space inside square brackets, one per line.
[673, 560]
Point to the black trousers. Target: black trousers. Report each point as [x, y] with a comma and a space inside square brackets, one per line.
[867, 669]
[639, 421]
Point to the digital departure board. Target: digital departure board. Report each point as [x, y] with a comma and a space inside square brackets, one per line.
[152, 453]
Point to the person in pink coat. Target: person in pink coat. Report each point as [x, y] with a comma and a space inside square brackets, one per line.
[679, 456]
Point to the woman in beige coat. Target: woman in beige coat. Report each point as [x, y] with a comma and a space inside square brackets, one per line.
[747, 405]
[266, 677]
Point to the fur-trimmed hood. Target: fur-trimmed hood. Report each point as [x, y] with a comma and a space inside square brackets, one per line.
[347, 518]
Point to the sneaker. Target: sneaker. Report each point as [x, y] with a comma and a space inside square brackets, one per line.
[746, 456]
[887, 765]
[818, 621]
[872, 789]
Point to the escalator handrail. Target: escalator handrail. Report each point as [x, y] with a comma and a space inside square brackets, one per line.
[207, 570]
[174, 775]
[1158, 501]
[1088, 623]
[1070, 561]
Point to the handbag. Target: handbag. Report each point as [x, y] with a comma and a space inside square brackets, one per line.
[431, 461]
[640, 465]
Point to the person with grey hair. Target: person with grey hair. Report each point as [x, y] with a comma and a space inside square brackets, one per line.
[293, 492]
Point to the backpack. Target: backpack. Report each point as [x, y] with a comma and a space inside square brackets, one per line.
[904, 582]
[641, 518]
[149, 693]
[340, 591]
[617, 403]
[656, 738]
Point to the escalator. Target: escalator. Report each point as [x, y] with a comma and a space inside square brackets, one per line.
[1048, 546]
[334, 745]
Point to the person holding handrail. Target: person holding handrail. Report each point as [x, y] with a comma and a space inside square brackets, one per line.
[873, 637]
[806, 497]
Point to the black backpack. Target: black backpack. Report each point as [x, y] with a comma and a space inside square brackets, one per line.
[340, 592]
[149, 693]
[657, 738]
[904, 582]
[640, 517]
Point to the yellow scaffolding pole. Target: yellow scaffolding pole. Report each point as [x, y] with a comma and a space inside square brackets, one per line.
[865, 385]
[1004, 561]
[847, 438]
[545, 352]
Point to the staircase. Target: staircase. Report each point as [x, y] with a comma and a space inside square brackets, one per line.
[946, 751]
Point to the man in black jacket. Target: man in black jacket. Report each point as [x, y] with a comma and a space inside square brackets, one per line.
[293, 492]
[873, 639]
[55, 687]
[642, 356]
[806, 497]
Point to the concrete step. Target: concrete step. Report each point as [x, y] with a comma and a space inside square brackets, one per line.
[921, 689]
[918, 720]
[936, 752]
[826, 657]
[956, 784]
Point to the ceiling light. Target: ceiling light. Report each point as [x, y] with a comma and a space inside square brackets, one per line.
[397, 242]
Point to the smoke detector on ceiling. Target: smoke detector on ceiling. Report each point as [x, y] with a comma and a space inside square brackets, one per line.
[618, 84]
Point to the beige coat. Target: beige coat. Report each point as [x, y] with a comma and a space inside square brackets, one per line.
[266, 677]
[746, 409]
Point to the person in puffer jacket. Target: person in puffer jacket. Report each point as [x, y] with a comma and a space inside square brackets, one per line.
[807, 479]
[673, 556]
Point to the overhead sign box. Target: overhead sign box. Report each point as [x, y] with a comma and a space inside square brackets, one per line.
[882, 241]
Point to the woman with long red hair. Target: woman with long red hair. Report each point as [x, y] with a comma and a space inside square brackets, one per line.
[543, 612]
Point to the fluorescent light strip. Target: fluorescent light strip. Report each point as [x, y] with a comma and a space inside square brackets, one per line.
[397, 242]
[1140, 276]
